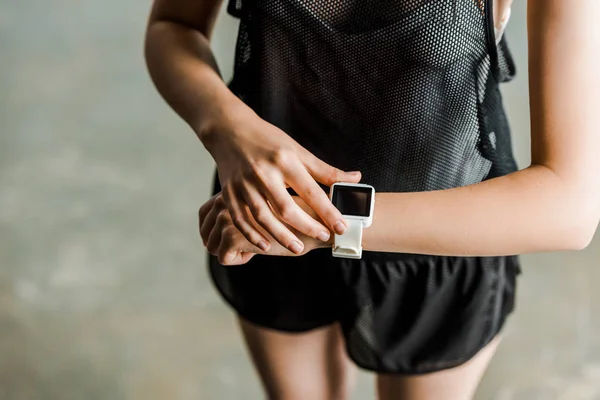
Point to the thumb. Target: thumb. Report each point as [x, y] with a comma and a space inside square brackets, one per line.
[325, 173]
[245, 257]
[238, 258]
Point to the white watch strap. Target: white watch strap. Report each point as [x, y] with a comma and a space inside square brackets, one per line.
[349, 245]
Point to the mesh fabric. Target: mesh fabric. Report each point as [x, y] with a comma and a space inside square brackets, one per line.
[405, 91]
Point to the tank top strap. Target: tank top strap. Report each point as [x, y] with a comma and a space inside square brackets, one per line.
[503, 66]
[235, 8]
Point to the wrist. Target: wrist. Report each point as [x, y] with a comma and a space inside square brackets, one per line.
[218, 126]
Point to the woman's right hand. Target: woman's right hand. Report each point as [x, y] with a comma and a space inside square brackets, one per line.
[256, 163]
[223, 240]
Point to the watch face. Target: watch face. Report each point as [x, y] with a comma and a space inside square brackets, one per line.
[352, 200]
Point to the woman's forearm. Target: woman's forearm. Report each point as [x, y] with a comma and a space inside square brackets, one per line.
[185, 73]
[531, 210]
[255, 160]
[552, 205]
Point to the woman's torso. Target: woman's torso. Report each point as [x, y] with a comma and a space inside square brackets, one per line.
[404, 91]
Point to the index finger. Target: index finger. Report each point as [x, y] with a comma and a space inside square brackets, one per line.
[293, 215]
[309, 190]
[205, 208]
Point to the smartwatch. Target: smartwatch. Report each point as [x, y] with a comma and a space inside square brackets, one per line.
[356, 202]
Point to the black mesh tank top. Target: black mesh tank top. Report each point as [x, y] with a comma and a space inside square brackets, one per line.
[406, 91]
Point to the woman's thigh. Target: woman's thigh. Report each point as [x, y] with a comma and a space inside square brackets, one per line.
[459, 383]
[298, 366]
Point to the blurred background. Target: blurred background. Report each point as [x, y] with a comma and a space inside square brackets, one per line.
[103, 286]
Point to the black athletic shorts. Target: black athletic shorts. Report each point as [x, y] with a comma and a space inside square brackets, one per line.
[400, 313]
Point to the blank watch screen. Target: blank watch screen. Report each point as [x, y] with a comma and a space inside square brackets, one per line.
[350, 200]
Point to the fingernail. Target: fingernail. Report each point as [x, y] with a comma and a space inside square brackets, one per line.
[296, 247]
[340, 227]
[355, 173]
[323, 236]
[263, 245]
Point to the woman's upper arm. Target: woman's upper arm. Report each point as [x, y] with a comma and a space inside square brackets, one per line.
[564, 83]
[200, 15]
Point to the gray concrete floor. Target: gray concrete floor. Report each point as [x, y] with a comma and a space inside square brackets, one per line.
[103, 288]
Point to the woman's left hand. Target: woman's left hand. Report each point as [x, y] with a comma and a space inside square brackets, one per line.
[224, 240]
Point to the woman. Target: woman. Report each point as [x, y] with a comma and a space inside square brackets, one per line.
[406, 94]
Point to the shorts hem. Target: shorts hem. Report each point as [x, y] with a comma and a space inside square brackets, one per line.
[248, 318]
[425, 371]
